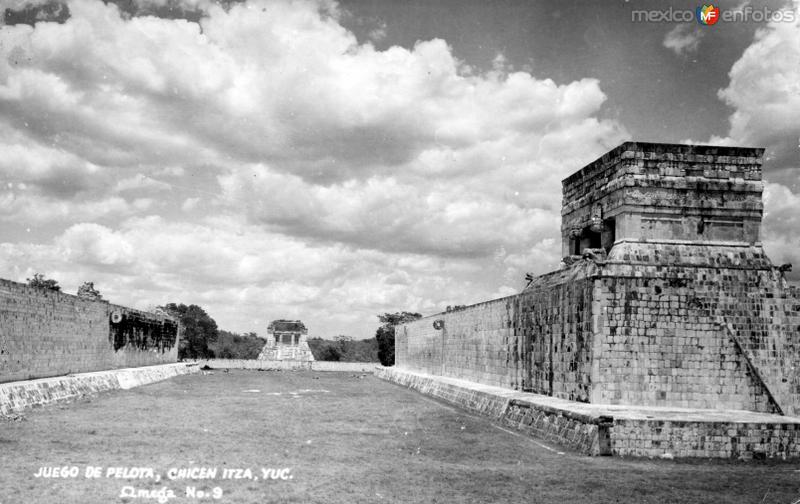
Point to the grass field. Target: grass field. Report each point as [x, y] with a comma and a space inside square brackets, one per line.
[345, 440]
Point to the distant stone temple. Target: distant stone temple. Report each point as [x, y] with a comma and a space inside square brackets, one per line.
[665, 298]
[288, 342]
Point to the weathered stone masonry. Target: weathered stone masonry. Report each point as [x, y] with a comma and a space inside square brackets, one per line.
[487, 342]
[288, 342]
[45, 333]
[665, 298]
[599, 429]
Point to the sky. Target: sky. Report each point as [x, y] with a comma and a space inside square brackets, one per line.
[332, 161]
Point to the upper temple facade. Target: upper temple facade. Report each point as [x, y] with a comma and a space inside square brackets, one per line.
[288, 342]
[646, 192]
[665, 296]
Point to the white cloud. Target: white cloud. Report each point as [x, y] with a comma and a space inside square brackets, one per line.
[684, 38]
[385, 214]
[139, 182]
[264, 164]
[36, 210]
[52, 170]
[95, 244]
[239, 272]
[378, 33]
[190, 204]
[275, 71]
[764, 92]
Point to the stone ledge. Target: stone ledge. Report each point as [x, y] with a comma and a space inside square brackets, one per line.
[596, 429]
[21, 395]
[281, 365]
[539, 416]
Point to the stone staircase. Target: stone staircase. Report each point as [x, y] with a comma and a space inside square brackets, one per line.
[767, 332]
[277, 352]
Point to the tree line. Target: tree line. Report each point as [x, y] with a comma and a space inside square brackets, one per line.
[202, 339]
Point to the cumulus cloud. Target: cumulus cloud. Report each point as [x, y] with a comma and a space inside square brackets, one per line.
[53, 171]
[683, 39]
[18, 205]
[139, 182]
[262, 155]
[764, 92]
[95, 244]
[190, 204]
[389, 215]
[378, 33]
[320, 105]
[241, 272]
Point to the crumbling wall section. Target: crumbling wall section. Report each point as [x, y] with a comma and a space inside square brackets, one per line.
[45, 333]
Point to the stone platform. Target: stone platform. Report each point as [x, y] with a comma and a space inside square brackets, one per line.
[16, 397]
[597, 429]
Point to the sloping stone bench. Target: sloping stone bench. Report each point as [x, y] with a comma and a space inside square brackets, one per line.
[16, 397]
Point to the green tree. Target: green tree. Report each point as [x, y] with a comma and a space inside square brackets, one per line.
[41, 282]
[385, 334]
[330, 353]
[344, 343]
[199, 331]
[344, 348]
[231, 345]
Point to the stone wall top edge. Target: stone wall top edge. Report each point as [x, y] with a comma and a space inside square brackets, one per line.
[548, 279]
[688, 243]
[465, 308]
[22, 287]
[616, 153]
[613, 269]
[143, 313]
[588, 269]
[566, 273]
[702, 149]
[6, 284]
[676, 253]
[753, 206]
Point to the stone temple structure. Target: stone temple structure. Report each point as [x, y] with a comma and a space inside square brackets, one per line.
[288, 342]
[665, 300]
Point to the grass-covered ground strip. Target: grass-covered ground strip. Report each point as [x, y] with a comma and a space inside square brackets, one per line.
[345, 439]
